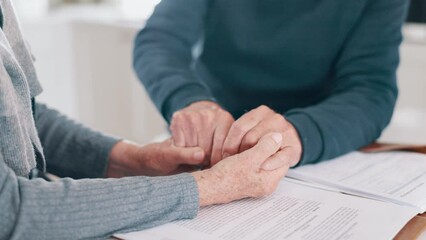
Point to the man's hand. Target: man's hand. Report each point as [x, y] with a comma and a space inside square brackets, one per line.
[240, 176]
[157, 159]
[247, 130]
[204, 124]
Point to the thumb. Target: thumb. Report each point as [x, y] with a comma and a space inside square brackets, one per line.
[189, 155]
[278, 160]
[267, 146]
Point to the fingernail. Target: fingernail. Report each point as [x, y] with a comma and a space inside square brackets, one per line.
[199, 155]
[225, 155]
[277, 137]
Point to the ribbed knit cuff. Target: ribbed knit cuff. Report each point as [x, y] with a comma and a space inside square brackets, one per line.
[190, 196]
[310, 135]
[98, 208]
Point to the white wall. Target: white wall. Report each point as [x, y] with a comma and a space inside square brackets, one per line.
[84, 62]
[408, 122]
[110, 97]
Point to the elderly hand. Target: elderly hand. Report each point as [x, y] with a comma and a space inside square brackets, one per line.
[130, 159]
[240, 176]
[204, 124]
[247, 130]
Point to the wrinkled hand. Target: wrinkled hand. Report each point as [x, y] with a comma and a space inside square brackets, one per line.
[240, 176]
[247, 130]
[157, 159]
[204, 124]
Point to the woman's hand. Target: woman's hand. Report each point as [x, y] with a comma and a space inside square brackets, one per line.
[241, 176]
[157, 159]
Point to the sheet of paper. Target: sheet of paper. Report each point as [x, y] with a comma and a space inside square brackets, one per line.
[399, 177]
[293, 212]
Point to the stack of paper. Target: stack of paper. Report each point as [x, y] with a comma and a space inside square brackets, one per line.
[390, 189]
[397, 177]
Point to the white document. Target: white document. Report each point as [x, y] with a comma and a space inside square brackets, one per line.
[399, 177]
[294, 211]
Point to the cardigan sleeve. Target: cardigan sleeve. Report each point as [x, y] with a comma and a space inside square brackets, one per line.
[70, 149]
[91, 208]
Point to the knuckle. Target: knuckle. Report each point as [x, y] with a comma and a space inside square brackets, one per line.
[238, 128]
[208, 116]
[193, 118]
[177, 115]
[227, 115]
[264, 109]
[279, 117]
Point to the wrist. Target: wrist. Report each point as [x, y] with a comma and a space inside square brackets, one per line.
[121, 160]
[208, 187]
[205, 104]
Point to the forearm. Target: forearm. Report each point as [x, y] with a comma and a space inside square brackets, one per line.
[72, 150]
[341, 124]
[363, 90]
[91, 208]
[163, 54]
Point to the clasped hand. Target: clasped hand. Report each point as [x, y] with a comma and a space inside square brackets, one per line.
[242, 158]
[207, 126]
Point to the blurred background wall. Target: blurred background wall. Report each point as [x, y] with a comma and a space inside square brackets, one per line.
[84, 55]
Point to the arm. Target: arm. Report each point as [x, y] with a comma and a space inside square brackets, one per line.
[162, 60]
[97, 208]
[72, 150]
[360, 104]
[163, 54]
[91, 208]
[364, 92]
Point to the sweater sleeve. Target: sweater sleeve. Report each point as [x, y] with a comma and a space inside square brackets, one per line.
[71, 150]
[365, 90]
[163, 54]
[91, 208]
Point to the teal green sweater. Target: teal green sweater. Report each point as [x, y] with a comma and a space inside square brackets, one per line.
[328, 66]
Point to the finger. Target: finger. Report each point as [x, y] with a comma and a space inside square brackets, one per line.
[266, 147]
[218, 140]
[280, 159]
[272, 179]
[188, 155]
[177, 134]
[291, 141]
[274, 123]
[184, 128]
[240, 128]
[205, 141]
[178, 137]
[190, 129]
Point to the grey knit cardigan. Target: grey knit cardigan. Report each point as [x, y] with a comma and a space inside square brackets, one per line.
[87, 208]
